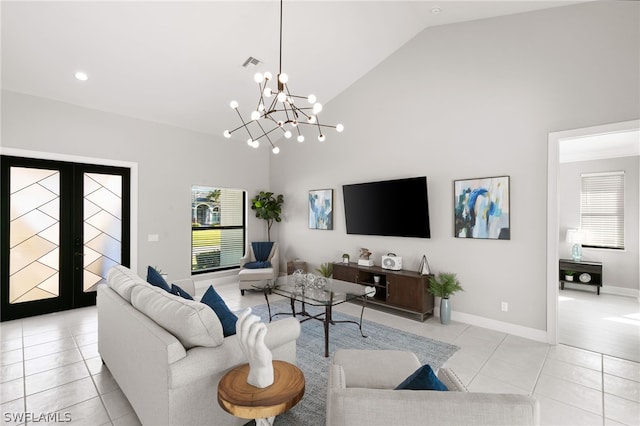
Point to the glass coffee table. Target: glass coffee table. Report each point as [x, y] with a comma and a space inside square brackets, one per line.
[327, 292]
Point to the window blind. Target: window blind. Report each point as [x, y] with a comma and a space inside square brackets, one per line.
[602, 209]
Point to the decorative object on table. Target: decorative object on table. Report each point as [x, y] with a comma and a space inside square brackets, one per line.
[576, 238]
[444, 285]
[392, 262]
[294, 265]
[345, 258]
[376, 279]
[584, 277]
[364, 260]
[326, 269]
[321, 209]
[424, 266]
[285, 111]
[481, 208]
[251, 332]
[268, 207]
[568, 275]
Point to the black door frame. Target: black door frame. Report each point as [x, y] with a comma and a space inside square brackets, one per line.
[71, 235]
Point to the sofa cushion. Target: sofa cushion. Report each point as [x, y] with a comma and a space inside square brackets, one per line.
[123, 282]
[192, 323]
[423, 379]
[154, 278]
[226, 317]
[178, 291]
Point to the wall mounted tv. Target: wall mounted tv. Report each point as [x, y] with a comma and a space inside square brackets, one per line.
[398, 208]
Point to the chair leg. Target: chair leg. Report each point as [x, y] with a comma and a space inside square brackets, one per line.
[242, 292]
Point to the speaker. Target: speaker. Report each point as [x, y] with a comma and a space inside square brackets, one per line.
[392, 262]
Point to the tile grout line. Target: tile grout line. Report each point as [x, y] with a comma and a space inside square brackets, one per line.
[544, 362]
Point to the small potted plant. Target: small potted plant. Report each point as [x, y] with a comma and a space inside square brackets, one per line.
[568, 275]
[345, 258]
[326, 269]
[444, 285]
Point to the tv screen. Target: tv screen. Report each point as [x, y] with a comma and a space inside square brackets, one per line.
[398, 208]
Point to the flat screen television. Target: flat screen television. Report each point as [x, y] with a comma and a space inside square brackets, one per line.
[398, 208]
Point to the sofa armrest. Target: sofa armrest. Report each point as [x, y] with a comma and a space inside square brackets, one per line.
[275, 263]
[371, 407]
[451, 380]
[282, 331]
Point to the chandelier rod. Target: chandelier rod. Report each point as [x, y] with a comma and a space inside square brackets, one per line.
[280, 70]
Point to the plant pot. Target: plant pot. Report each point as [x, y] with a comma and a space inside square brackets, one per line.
[568, 277]
[445, 311]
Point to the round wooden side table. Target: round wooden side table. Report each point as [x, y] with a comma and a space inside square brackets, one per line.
[243, 400]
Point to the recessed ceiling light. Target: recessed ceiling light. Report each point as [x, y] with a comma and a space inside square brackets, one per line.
[436, 10]
[82, 76]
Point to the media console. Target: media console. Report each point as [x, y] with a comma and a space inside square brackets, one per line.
[403, 291]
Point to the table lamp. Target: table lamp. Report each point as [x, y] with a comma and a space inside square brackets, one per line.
[575, 237]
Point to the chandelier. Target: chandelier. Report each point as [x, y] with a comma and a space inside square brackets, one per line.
[280, 111]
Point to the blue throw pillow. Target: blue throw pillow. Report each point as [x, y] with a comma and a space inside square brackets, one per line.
[257, 265]
[154, 278]
[228, 319]
[180, 292]
[423, 379]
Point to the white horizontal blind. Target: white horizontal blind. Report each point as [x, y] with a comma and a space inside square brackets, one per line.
[602, 209]
[218, 228]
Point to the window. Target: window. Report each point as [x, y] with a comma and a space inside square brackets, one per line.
[217, 228]
[602, 209]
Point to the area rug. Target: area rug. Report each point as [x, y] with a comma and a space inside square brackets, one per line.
[310, 355]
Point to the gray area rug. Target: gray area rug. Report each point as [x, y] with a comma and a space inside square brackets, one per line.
[310, 355]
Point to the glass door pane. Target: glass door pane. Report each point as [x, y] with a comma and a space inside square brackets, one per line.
[102, 227]
[34, 229]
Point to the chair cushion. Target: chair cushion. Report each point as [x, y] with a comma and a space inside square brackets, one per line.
[192, 323]
[255, 274]
[258, 264]
[423, 379]
[228, 319]
[154, 278]
[262, 250]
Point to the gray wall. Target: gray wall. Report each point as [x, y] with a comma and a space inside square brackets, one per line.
[170, 160]
[462, 101]
[620, 268]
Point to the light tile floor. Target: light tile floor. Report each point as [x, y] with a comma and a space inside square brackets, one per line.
[50, 365]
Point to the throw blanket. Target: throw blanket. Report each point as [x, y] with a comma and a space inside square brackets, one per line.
[261, 251]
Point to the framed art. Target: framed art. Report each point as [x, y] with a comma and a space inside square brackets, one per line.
[481, 208]
[321, 209]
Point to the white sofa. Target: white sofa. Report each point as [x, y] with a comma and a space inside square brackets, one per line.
[361, 392]
[171, 377]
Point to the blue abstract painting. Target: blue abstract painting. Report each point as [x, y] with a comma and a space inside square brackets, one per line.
[481, 208]
[321, 209]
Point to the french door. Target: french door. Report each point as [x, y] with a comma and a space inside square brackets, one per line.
[64, 225]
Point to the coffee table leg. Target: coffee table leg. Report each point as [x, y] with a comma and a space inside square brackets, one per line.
[266, 291]
[364, 304]
[327, 320]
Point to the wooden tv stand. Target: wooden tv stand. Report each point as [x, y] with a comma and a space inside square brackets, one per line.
[402, 291]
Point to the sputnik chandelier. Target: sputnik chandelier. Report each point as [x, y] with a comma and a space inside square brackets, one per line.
[279, 110]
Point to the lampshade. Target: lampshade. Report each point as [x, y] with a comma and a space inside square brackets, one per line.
[574, 236]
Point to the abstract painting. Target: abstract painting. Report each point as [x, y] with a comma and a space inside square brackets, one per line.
[321, 209]
[481, 208]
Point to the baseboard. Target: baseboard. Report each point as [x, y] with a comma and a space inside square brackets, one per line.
[504, 327]
[605, 289]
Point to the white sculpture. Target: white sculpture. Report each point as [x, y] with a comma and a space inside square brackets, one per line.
[251, 332]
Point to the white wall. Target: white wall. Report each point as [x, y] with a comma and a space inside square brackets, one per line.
[462, 101]
[620, 268]
[170, 160]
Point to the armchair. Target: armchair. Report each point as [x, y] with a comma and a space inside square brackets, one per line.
[248, 276]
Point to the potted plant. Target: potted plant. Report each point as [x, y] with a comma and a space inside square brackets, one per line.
[568, 275]
[444, 285]
[269, 208]
[326, 269]
[345, 258]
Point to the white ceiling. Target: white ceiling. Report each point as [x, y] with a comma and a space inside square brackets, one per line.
[180, 62]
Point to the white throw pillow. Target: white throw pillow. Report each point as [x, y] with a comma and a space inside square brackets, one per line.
[192, 323]
[123, 282]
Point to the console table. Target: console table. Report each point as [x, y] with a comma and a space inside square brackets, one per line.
[402, 291]
[586, 273]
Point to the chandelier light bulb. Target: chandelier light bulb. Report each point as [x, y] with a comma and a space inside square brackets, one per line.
[281, 96]
[255, 115]
[300, 138]
[317, 107]
[283, 78]
[267, 92]
[311, 119]
[258, 77]
[268, 75]
[227, 134]
[249, 142]
[275, 150]
[339, 128]
[280, 123]
[256, 144]
[294, 123]
[321, 137]
[287, 134]
[234, 104]
[312, 99]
